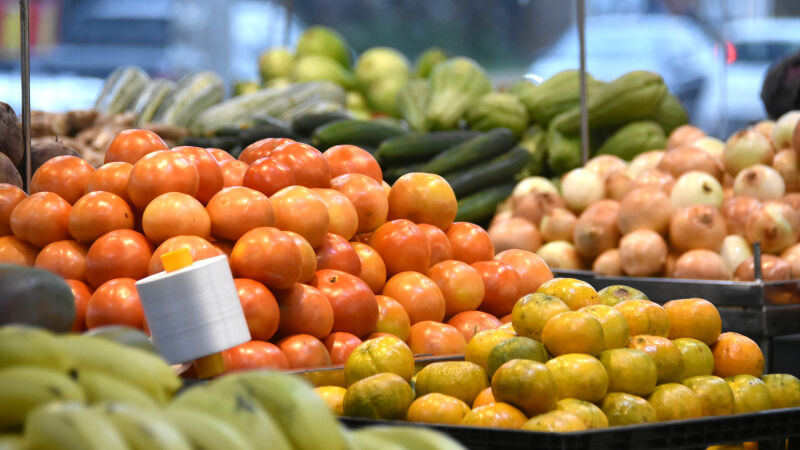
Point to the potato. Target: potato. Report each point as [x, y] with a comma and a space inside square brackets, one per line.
[10, 135]
[43, 151]
[8, 172]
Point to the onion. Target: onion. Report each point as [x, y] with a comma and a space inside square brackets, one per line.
[532, 184]
[618, 184]
[784, 129]
[796, 138]
[557, 225]
[608, 263]
[734, 250]
[696, 188]
[644, 161]
[596, 229]
[736, 210]
[684, 135]
[580, 188]
[603, 165]
[560, 255]
[680, 160]
[701, 264]
[534, 205]
[746, 148]
[785, 163]
[793, 200]
[515, 233]
[710, 145]
[765, 127]
[772, 269]
[656, 178]
[774, 224]
[697, 226]
[506, 205]
[792, 256]
[669, 266]
[760, 181]
[501, 216]
[646, 208]
[643, 253]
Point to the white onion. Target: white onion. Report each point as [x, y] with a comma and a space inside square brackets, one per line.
[532, 184]
[760, 181]
[681, 160]
[604, 165]
[746, 148]
[696, 188]
[684, 135]
[580, 188]
[515, 233]
[596, 229]
[775, 224]
[710, 145]
[785, 163]
[557, 225]
[784, 129]
[734, 250]
[608, 263]
[560, 255]
[646, 208]
[618, 184]
[534, 205]
[701, 264]
[765, 127]
[644, 161]
[792, 256]
[656, 178]
[643, 253]
[697, 226]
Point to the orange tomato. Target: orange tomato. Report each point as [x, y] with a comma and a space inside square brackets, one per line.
[254, 355]
[460, 284]
[15, 251]
[304, 351]
[418, 294]
[115, 302]
[65, 175]
[308, 259]
[111, 177]
[97, 213]
[304, 310]
[355, 309]
[220, 155]
[198, 247]
[373, 269]
[268, 176]
[64, 258]
[161, 172]
[437, 242]
[224, 248]
[435, 338]
[530, 267]
[367, 196]
[392, 318]
[469, 323]
[310, 168]
[336, 253]
[351, 159]
[501, 287]
[268, 255]
[118, 254]
[10, 197]
[232, 172]
[470, 243]
[41, 219]
[211, 178]
[423, 198]
[299, 209]
[175, 214]
[236, 210]
[402, 245]
[260, 308]
[340, 345]
[131, 145]
[82, 295]
[343, 215]
[261, 149]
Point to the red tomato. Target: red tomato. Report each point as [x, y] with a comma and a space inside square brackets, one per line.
[343, 215]
[438, 243]
[260, 308]
[402, 245]
[373, 269]
[340, 345]
[268, 176]
[161, 172]
[304, 310]
[351, 159]
[433, 338]
[254, 355]
[236, 210]
[115, 302]
[224, 248]
[111, 177]
[336, 253]
[418, 294]
[367, 196]
[299, 209]
[268, 255]
[175, 214]
[220, 155]
[461, 285]
[355, 309]
[506, 319]
[64, 258]
[261, 149]
[232, 172]
[66, 176]
[97, 213]
[10, 197]
[131, 145]
[308, 259]
[530, 267]
[392, 318]
[15, 251]
[118, 254]
[211, 178]
[501, 287]
[470, 243]
[198, 247]
[423, 198]
[304, 351]
[41, 219]
[469, 323]
[310, 168]
[82, 294]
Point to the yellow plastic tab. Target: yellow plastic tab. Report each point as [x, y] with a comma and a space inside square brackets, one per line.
[209, 366]
[177, 259]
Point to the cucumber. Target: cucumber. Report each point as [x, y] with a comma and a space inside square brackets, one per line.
[265, 131]
[193, 95]
[420, 146]
[306, 124]
[120, 89]
[482, 147]
[497, 170]
[480, 206]
[151, 97]
[197, 141]
[392, 174]
[355, 132]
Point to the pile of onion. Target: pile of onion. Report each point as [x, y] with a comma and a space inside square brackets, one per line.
[760, 181]
[792, 256]
[736, 210]
[580, 188]
[710, 145]
[785, 163]
[604, 165]
[560, 255]
[532, 184]
[775, 224]
[684, 135]
[645, 208]
[642, 253]
[515, 232]
[701, 264]
[697, 226]
[772, 269]
[680, 160]
[783, 130]
[596, 229]
[696, 188]
[644, 161]
[619, 184]
[608, 263]
[534, 205]
[746, 148]
[656, 178]
[557, 225]
[734, 250]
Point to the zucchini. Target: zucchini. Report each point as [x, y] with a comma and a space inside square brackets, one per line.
[466, 154]
[480, 206]
[120, 89]
[151, 97]
[306, 124]
[420, 146]
[193, 95]
[392, 174]
[497, 170]
[355, 132]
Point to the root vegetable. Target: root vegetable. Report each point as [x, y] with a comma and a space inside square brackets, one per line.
[604, 165]
[646, 208]
[792, 256]
[710, 145]
[746, 148]
[644, 161]
[760, 181]
[657, 178]
[642, 253]
[736, 210]
[774, 224]
[785, 163]
[557, 225]
[701, 264]
[618, 185]
[596, 229]
[734, 250]
[534, 205]
[580, 188]
[608, 263]
[560, 255]
[680, 160]
[697, 226]
[783, 130]
[772, 269]
[696, 188]
[683, 135]
[515, 233]
[532, 184]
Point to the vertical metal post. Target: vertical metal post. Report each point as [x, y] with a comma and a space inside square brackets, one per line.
[25, 56]
[584, 113]
[757, 262]
[287, 26]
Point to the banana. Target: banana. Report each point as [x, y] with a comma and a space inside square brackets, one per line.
[206, 431]
[71, 426]
[410, 438]
[303, 415]
[360, 440]
[23, 388]
[100, 387]
[12, 442]
[28, 346]
[239, 410]
[144, 429]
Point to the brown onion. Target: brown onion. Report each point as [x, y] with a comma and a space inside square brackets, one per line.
[774, 224]
[696, 226]
[772, 269]
[734, 250]
[645, 208]
[792, 256]
[618, 184]
[596, 229]
[604, 165]
[643, 253]
[557, 225]
[684, 135]
[515, 233]
[534, 205]
[785, 163]
[501, 216]
[736, 210]
[710, 145]
[793, 200]
[746, 148]
[760, 181]
[560, 255]
[783, 130]
[727, 193]
[532, 184]
[657, 178]
[669, 266]
[608, 263]
[644, 161]
[680, 160]
[701, 264]
[796, 137]
[765, 127]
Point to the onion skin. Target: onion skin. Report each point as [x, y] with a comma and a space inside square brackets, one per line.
[684, 159]
[596, 229]
[533, 206]
[760, 181]
[697, 226]
[734, 250]
[608, 263]
[775, 224]
[557, 225]
[618, 184]
[644, 161]
[515, 233]
[643, 253]
[785, 163]
[696, 188]
[580, 188]
[656, 178]
[646, 208]
[532, 184]
[736, 210]
[796, 137]
[772, 269]
[669, 266]
[701, 264]
[783, 131]
[560, 255]
[500, 217]
[710, 145]
[765, 127]
[604, 165]
[746, 148]
[792, 256]
[684, 135]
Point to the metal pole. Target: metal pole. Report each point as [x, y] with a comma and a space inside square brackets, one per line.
[757, 261]
[584, 112]
[287, 27]
[25, 57]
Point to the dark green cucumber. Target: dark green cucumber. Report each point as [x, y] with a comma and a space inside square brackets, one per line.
[481, 206]
[392, 174]
[197, 141]
[421, 146]
[482, 147]
[499, 169]
[307, 123]
[227, 143]
[355, 132]
[247, 137]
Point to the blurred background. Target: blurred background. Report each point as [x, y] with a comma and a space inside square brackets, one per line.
[712, 53]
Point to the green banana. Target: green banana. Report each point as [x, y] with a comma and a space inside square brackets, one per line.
[12, 442]
[28, 346]
[101, 387]
[412, 438]
[144, 429]
[361, 440]
[206, 431]
[23, 388]
[71, 426]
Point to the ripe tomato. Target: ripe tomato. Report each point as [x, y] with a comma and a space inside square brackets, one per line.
[174, 214]
[220, 155]
[111, 177]
[261, 149]
[299, 209]
[268, 255]
[97, 213]
[392, 318]
[115, 302]
[501, 287]
[433, 338]
[336, 253]
[343, 215]
[236, 210]
[340, 345]
[15, 251]
[470, 243]
[118, 254]
[308, 259]
[41, 219]
[438, 243]
[304, 351]
[351, 159]
[131, 145]
[161, 172]
[198, 247]
[355, 309]
[254, 355]
[461, 285]
[423, 198]
[418, 294]
[224, 248]
[260, 308]
[211, 178]
[470, 323]
[232, 172]
[82, 294]
[10, 197]
[66, 176]
[310, 168]
[268, 176]
[373, 269]
[402, 245]
[304, 310]
[367, 196]
[530, 267]
[64, 258]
